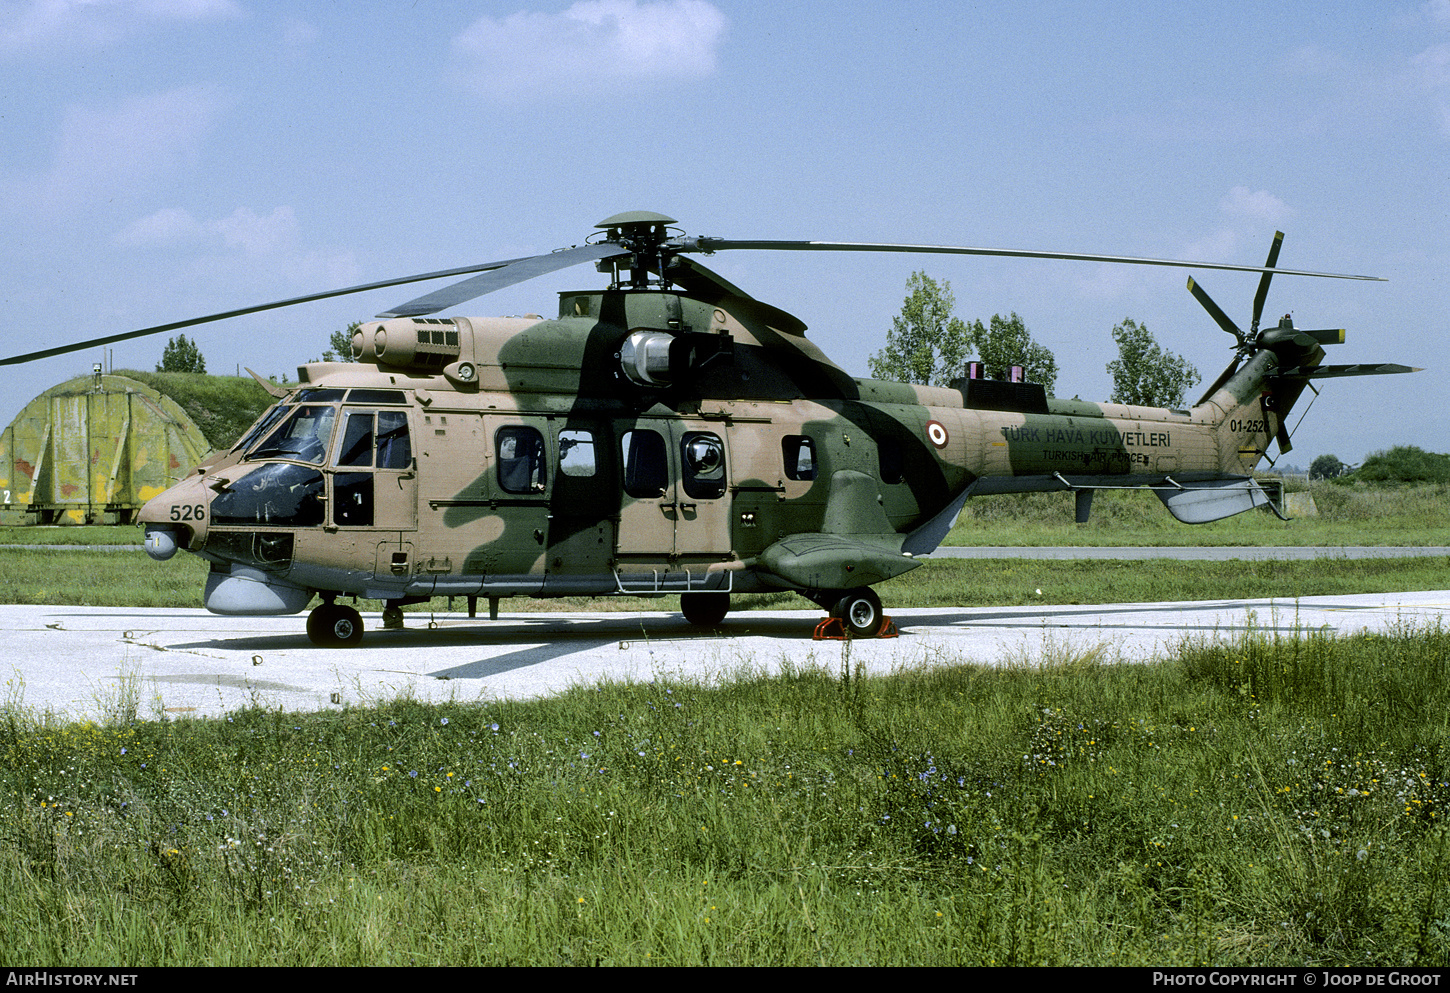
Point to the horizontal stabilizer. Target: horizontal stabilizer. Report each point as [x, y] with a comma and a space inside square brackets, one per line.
[1212, 500]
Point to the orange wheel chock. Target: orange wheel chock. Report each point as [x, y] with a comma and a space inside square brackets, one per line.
[834, 629]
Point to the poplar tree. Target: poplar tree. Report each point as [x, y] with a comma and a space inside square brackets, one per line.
[927, 344]
[1145, 374]
[1004, 342]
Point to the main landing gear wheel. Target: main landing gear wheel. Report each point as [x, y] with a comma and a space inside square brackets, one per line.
[860, 611]
[704, 610]
[334, 625]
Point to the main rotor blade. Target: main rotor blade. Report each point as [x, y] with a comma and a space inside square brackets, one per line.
[1213, 311]
[1357, 369]
[505, 274]
[1263, 293]
[708, 245]
[110, 339]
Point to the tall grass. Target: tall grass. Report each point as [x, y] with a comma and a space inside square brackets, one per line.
[1347, 514]
[1268, 800]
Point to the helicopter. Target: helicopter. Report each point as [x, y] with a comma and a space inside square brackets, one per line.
[670, 434]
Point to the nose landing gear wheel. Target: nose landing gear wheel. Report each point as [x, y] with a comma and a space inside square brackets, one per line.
[334, 625]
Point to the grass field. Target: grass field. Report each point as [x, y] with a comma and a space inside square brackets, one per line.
[1274, 800]
[1346, 515]
[1270, 800]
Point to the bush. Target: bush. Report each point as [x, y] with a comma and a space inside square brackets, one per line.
[1402, 464]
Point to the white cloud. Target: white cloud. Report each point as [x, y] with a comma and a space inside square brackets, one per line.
[256, 235]
[244, 229]
[170, 226]
[45, 24]
[1260, 206]
[1217, 246]
[1248, 211]
[117, 149]
[297, 33]
[1431, 73]
[594, 45]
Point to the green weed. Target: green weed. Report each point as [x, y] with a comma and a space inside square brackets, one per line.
[1277, 798]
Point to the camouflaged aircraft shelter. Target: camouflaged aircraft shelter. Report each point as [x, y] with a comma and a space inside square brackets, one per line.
[92, 451]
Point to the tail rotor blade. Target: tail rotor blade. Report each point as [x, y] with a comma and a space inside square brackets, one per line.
[1214, 311]
[1263, 293]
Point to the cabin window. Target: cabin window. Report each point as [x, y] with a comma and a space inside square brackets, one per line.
[520, 453]
[646, 464]
[703, 456]
[576, 454]
[890, 460]
[800, 456]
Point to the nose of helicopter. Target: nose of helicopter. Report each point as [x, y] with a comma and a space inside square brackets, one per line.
[176, 518]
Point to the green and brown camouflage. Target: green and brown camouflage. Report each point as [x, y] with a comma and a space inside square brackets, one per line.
[649, 442]
[669, 434]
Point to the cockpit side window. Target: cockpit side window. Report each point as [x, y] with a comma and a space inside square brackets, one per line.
[395, 448]
[356, 448]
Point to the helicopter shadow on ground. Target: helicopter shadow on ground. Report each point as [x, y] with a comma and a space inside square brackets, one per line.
[1064, 617]
[533, 641]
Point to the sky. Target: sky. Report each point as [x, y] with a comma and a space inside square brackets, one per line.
[163, 159]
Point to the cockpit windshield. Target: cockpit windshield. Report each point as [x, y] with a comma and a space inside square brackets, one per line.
[303, 436]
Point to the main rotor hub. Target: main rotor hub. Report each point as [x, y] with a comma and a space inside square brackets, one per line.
[647, 236]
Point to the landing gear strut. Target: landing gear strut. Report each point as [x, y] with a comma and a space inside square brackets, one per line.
[334, 625]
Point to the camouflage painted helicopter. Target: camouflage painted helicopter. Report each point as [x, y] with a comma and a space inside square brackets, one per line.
[669, 434]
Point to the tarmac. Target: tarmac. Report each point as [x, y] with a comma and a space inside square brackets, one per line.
[98, 662]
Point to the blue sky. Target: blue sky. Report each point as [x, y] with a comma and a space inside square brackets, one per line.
[166, 158]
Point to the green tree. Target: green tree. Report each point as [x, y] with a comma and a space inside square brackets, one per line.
[1327, 467]
[1145, 374]
[340, 345]
[181, 355]
[927, 343]
[1005, 342]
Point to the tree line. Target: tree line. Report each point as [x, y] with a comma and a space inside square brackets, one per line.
[930, 346]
